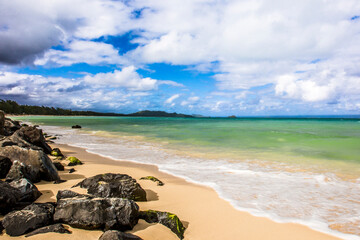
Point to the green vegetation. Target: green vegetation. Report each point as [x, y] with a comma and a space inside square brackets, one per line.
[154, 179]
[12, 107]
[74, 160]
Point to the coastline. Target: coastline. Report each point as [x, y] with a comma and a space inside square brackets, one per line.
[202, 211]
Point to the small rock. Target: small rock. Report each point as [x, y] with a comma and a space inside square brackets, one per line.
[30, 218]
[113, 185]
[165, 218]
[117, 235]
[29, 192]
[72, 170]
[59, 181]
[59, 166]
[154, 179]
[56, 152]
[97, 213]
[73, 161]
[5, 165]
[58, 228]
[76, 126]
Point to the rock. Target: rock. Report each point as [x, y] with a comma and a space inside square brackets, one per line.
[2, 122]
[20, 170]
[30, 218]
[154, 179]
[10, 126]
[59, 166]
[117, 235]
[57, 228]
[165, 218]
[97, 213]
[5, 165]
[59, 181]
[1, 228]
[56, 152]
[72, 170]
[9, 197]
[40, 163]
[73, 161]
[113, 185]
[70, 194]
[35, 137]
[29, 192]
[76, 126]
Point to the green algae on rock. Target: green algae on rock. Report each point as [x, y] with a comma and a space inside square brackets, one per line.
[74, 161]
[154, 179]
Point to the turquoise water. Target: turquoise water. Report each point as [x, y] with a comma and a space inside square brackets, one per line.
[290, 170]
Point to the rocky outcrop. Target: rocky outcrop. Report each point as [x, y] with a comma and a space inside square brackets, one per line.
[97, 213]
[30, 218]
[10, 126]
[117, 235]
[113, 185]
[57, 228]
[5, 165]
[29, 192]
[62, 194]
[165, 218]
[20, 170]
[40, 163]
[34, 136]
[154, 179]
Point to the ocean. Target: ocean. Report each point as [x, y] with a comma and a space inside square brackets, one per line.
[298, 170]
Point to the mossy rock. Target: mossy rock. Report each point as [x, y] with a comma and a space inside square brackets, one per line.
[154, 179]
[56, 152]
[167, 219]
[73, 161]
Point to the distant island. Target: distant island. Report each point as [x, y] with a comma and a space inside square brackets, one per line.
[12, 107]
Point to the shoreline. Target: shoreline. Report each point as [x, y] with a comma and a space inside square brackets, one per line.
[202, 211]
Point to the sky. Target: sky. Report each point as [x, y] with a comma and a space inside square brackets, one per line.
[215, 58]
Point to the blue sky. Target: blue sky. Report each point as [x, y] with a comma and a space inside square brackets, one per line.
[217, 58]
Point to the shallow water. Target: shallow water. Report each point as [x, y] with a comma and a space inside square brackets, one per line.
[291, 170]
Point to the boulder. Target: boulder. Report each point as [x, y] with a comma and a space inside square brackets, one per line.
[57, 228]
[40, 163]
[5, 165]
[1, 228]
[20, 170]
[76, 126]
[29, 192]
[9, 197]
[113, 185]
[10, 126]
[56, 152]
[70, 194]
[2, 122]
[30, 218]
[59, 166]
[34, 136]
[154, 179]
[97, 213]
[165, 218]
[117, 235]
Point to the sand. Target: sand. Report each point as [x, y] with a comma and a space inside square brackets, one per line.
[202, 211]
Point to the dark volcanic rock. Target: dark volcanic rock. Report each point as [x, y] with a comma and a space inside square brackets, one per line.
[117, 235]
[40, 163]
[76, 126]
[114, 185]
[58, 228]
[5, 165]
[72, 170]
[20, 170]
[70, 194]
[9, 197]
[1, 228]
[30, 218]
[165, 218]
[2, 122]
[97, 213]
[34, 136]
[29, 192]
[10, 126]
[59, 166]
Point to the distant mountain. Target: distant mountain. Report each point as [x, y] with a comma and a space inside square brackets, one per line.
[148, 113]
[12, 107]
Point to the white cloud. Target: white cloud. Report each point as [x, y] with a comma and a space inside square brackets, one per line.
[171, 99]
